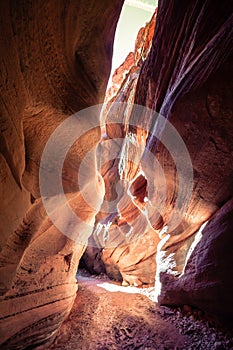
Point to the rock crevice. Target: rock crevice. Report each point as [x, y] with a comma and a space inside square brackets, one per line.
[55, 61]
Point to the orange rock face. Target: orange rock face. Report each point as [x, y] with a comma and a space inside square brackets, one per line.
[123, 261]
[186, 79]
[50, 69]
[189, 79]
[162, 205]
[124, 74]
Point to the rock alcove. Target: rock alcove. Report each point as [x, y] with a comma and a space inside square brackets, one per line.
[55, 61]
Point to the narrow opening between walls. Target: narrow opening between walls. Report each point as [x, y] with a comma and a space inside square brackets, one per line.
[134, 15]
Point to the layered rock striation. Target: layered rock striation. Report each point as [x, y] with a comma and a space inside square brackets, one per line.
[186, 83]
[160, 178]
[109, 249]
[55, 61]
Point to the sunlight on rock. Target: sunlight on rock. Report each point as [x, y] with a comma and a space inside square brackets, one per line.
[123, 190]
[116, 288]
[164, 263]
[197, 239]
[110, 287]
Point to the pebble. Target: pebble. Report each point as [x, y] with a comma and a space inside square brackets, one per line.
[218, 345]
[202, 335]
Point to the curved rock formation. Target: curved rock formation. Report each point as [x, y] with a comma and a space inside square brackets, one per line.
[161, 220]
[188, 72]
[55, 60]
[187, 79]
[205, 282]
[134, 265]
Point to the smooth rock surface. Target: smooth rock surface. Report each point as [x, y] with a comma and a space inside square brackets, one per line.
[55, 60]
[187, 79]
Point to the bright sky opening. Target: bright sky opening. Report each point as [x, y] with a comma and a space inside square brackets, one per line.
[134, 15]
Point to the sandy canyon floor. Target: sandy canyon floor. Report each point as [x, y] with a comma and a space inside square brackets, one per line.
[107, 316]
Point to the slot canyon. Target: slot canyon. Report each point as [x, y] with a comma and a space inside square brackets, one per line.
[116, 203]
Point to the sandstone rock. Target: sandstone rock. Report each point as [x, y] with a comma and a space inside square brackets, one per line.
[208, 140]
[133, 61]
[187, 79]
[205, 282]
[55, 61]
[207, 133]
[123, 260]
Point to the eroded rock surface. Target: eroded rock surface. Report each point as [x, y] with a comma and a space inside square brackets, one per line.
[205, 282]
[133, 62]
[186, 78]
[55, 61]
[131, 263]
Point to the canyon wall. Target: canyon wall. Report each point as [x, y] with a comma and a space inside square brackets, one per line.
[55, 61]
[170, 179]
[122, 261]
[189, 72]
[185, 82]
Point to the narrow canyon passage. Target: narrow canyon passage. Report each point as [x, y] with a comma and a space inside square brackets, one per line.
[132, 183]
